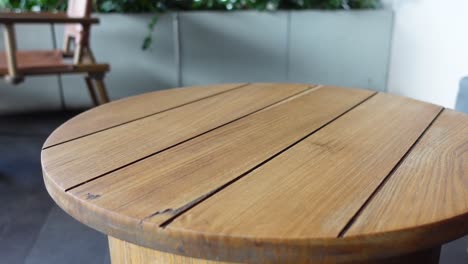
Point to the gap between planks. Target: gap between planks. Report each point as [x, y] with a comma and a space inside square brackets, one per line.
[385, 180]
[309, 88]
[183, 209]
[148, 115]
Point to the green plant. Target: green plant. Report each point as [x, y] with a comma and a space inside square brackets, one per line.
[160, 6]
[104, 6]
[132, 6]
[33, 5]
[126, 6]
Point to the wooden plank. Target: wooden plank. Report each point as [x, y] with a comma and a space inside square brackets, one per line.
[163, 185]
[429, 187]
[78, 161]
[135, 107]
[44, 17]
[10, 47]
[312, 190]
[122, 252]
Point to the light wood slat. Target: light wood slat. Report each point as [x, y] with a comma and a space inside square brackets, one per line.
[430, 186]
[106, 116]
[163, 185]
[122, 252]
[313, 189]
[78, 161]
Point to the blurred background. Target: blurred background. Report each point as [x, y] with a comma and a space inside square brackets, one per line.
[415, 48]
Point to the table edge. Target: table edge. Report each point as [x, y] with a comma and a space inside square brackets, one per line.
[232, 248]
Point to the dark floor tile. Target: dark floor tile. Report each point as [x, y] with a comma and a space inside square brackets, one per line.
[33, 124]
[25, 202]
[65, 240]
[22, 214]
[455, 252]
[107, 260]
[20, 161]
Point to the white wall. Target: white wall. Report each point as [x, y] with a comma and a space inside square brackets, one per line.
[430, 49]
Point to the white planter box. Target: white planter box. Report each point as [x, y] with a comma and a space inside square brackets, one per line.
[349, 48]
[245, 46]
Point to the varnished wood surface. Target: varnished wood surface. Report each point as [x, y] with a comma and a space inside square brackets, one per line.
[432, 178]
[208, 162]
[318, 184]
[86, 158]
[126, 253]
[105, 117]
[123, 252]
[44, 17]
[32, 60]
[99, 68]
[268, 173]
[38, 62]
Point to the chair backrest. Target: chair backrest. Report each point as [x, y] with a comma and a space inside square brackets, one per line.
[77, 8]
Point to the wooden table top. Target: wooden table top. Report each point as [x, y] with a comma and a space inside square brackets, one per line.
[290, 172]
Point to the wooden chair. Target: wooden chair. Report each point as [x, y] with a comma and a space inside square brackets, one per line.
[16, 65]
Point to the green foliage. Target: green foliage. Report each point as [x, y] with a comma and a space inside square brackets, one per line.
[135, 6]
[149, 37]
[363, 4]
[158, 6]
[33, 5]
[126, 6]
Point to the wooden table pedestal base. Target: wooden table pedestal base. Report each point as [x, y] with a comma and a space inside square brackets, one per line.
[123, 252]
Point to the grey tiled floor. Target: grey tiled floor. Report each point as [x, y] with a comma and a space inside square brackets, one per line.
[83, 244]
[35, 231]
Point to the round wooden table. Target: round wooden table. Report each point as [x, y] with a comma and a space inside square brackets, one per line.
[255, 173]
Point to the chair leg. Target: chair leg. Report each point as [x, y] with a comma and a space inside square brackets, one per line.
[90, 56]
[101, 89]
[92, 92]
[10, 47]
[78, 56]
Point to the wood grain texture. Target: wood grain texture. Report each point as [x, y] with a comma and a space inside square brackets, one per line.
[123, 252]
[30, 60]
[80, 160]
[307, 176]
[316, 187]
[105, 116]
[430, 186]
[152, 187]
